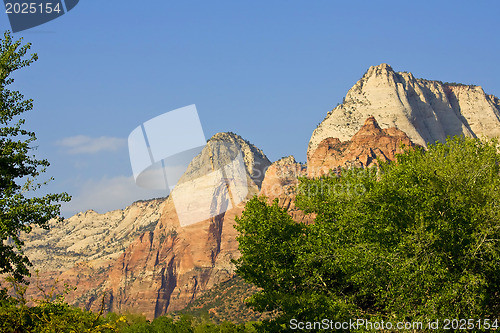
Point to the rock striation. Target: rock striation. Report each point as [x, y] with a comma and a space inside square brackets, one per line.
[427, 111]
[165, 269]
[362, 150]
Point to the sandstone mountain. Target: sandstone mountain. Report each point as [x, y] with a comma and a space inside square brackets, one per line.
[157, 265]
[160, 255]
[280, 182]
[425, 110]
[167, 268]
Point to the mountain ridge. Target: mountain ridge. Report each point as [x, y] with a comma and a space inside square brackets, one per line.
[165, 266]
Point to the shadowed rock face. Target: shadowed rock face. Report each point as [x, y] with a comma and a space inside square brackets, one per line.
[427, 111]
[368, 144]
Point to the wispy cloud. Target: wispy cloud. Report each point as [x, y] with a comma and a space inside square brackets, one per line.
[82, 144]
[108, 194]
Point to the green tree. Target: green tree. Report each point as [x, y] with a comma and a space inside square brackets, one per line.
[413, 240]
[19, 169]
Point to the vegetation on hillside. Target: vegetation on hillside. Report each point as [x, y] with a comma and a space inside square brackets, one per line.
[51, 313]
[225, 302]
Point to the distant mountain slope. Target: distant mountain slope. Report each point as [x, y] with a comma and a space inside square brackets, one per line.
[425, 110]
[90, 236]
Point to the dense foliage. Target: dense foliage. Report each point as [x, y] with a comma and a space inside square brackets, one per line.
[19, 169]
[53, 317]
[413, 240]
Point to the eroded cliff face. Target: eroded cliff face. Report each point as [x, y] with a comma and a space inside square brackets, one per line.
[81, 250]
[165, 269]
[90, 236]
[427, 111]
[362, 150]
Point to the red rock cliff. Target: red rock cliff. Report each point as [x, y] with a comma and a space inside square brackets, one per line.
[362, 150]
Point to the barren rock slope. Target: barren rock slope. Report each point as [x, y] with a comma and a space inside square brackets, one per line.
[90, 236]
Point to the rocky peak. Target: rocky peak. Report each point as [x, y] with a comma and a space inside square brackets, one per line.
[287, 160]
[281, 177]
[368, 144]
[382, 69]
[221, 150]
[370, 128]
[427, 111]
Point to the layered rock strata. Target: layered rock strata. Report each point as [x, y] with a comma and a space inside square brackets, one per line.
[167, 267]
[157, 256]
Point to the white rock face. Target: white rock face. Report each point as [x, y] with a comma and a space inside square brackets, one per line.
[226, 172]
[427, 111]
[220, 151]
[90, 236]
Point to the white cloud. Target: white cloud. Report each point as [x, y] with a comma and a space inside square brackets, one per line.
[82, 144]
[108, 194]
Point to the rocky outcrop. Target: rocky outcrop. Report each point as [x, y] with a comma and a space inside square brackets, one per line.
[90, 236]
[220, 151]
[166, 269]
[427, 111]
[281, 178]
[365, 147]
[280, 182]
[81, 250]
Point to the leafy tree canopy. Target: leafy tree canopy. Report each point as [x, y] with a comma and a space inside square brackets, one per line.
[417, 239]
[19, 169]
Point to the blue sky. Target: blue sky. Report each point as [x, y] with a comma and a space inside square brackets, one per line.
[266, 70]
